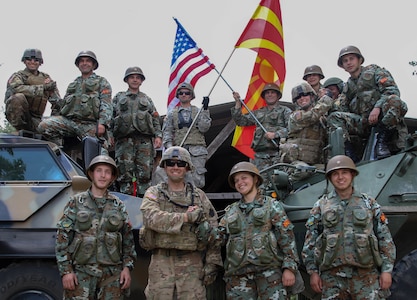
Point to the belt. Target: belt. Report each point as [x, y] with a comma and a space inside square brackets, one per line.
[171, 252]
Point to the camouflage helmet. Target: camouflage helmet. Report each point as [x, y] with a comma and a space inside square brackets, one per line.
[313, 69]
[349, 50]
[334, 81]
[179, 153]
[271, 86]
[132, 71]
[32, 53]
[89, 54]
[340, 162]
[187, 86]
[103, 159]
[302, 88]
[244, 166]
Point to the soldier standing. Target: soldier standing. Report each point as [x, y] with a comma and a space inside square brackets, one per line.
[274, 118]
[177, 125]
[179, 215]
[28, 92]
[95, 250]
[261, 255]
[348, 249]
[313, 74]
[86, 109]
[371, 98]
[137, 132]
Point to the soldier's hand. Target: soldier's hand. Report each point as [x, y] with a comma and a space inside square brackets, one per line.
[210, 273]
[194, 214]
[50, 86]
[205, 103]
[69, 281]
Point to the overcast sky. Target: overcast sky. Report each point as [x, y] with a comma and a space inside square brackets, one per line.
[141, 33]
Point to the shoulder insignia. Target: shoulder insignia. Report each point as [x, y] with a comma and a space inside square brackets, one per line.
[151, 196]
[383, 218]
[106, 91]
[286, 223]
[155, 114]
[383, 80]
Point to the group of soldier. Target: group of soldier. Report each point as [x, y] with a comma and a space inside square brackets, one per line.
[348, 249]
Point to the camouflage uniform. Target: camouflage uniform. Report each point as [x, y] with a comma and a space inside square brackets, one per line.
[181, 258]
[95, 241]
[86, 102]
[348, 243]
[260, 244]
[175, 128]
[26, 99]
[136, 123]
[274, 120]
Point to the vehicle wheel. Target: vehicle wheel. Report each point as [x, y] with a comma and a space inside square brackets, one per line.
[404, 277]
[30, 280]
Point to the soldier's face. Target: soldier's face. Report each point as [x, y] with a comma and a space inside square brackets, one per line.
[174, 172]
[134, 81]
[244, 182]
[271, 97]
[335, 91]
[313, 79]
[342, 179]
[351, 63]
[86, 65]
[102, 176]
[184, 95]
[32, 64]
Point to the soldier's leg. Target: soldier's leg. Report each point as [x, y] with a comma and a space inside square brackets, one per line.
[161, 278]
[17, 112]
[334, 286]
[189, 276]
[364, 285]
[143, 158]
[241, 287]
[125, 161]
[269, 285]
[56, 127]
[86, 288]
[200, 170]
[109, 285]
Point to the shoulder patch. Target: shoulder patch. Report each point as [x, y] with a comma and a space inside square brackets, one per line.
[106, 91]
[383, 80]
[383, 218]
[151, 196]
[286, 223]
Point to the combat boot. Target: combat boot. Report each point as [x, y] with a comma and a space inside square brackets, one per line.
[382, 142]
[350, 151]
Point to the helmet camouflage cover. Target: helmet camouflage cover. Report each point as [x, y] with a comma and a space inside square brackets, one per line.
[33, 53]
[179, 153]
[300, 89]
[187, 86]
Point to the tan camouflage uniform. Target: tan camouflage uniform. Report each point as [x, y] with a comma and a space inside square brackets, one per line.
[95, 241]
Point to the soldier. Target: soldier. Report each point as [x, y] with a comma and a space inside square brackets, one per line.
[179, 216]
[274, 118]
[335, 85]
[261, 256]
[313, 74]
[371, 98]
[177, 125]
[86, 109]
[306, 129]
[348, 249]
[137, 132]
[28, 92]
[95, 250]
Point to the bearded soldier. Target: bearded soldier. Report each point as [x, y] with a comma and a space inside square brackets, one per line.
[28, 92]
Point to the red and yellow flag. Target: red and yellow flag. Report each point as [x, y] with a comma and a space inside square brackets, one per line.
[264, 35]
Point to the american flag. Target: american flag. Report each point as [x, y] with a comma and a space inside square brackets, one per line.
[188, 64]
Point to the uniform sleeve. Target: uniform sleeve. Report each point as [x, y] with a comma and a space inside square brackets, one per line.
[168, 131]
[156, 219]
[286, 238]
[128, 244]
[386, 244]
[241, 119]
[313, 224]
[204, 121]
[64, 237]
[16, 84]
[106, 108]
[386, 85]
[155, 119]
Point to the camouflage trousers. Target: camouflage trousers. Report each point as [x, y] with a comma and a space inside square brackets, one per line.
[198, 174]
[18, 114]
[90, 287]
[264, 160]
[352, 283]
[57, 127]
[135, 159]
[175, 275]
[266, 285]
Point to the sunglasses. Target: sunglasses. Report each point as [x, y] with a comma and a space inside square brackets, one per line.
[184, 93]
[179, 163]
[302, 95]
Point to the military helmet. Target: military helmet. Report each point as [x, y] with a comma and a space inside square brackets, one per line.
[187, 86]
[271, 86]
[89, 54]
[33, 53]
[313, 69]
[349, 50]
[244, 166]
[179, 153]
[340, 162]
[334, 81]
[302, 88]
[132, 71]
[103, 159]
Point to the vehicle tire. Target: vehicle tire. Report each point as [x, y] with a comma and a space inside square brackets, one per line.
[30, 280]
[404, 278]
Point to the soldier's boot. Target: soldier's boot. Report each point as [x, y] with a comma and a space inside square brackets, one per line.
[350, 151]
[382, 142]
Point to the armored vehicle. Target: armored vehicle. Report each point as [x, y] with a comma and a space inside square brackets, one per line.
[37, 178]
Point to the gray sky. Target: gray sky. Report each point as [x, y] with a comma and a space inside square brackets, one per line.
[137, 32]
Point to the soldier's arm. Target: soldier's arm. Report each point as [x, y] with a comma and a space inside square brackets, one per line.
[168, 131]
[17, 84]
[241, 119]
[204, 121]
[386, 85]
[128, 243]
[106, 108]
[311, 236]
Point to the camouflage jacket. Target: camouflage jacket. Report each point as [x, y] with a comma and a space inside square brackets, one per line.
[343, 232]
[86, 218]
[273, 120]
[258, 236]
[135, 113]
[178, 122]
[371, 89]
[163, 213]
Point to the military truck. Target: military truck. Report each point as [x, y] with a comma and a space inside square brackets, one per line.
[37, 178]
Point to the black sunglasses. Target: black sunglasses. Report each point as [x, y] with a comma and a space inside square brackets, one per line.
[172, 162]
[184, 93]
[302, 95]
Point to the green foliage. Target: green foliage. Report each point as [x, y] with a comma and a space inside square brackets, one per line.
[4, 124]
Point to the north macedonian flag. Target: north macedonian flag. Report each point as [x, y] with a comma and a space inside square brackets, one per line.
[264, 35]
